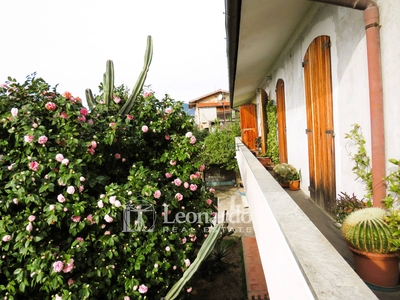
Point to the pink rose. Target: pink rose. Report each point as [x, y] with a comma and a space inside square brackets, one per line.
[129, 117]
[212, 190]
[168, 175]
[70, 281]
[193, 238]
[168, 248]
[28, 138]
[64, 115]
[6, 238]
[15, 200]
[50, 106]
[157, 194]
[168, 110]
[59, 157]
[167, 137]
[90, 122]
[33, 165]
[70, 190]
[172, 162]
[193, 187]
[100, 204]
[52, 207]
[76, 219]
[147, 94]
[143, 289]
[112, 199]
[14, 112]
[145, 128]
[209, 201]
[31, 218]
[58, 266]
[117, 203]
[188, 134]
[179, 196]
[112, 124]
[61, 198]
[81, 188]
[42, 139]
[65, 161]
[202, 167]
[189, 289]
[186, 185]
[117, 156]
[93, 144]
[79, 239]
[177, 182]
[29, 227]
[107, 232]
[69, 266]
[82, 179]
[192, 140]
[187, 262]
[108, 219]
[82, 119]
[83, 111]
[127, 298]
[184, 240]
[117, 100]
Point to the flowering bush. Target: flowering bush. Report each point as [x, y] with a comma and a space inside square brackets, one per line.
[73, 187]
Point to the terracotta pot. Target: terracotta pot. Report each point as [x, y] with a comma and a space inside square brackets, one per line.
[294, 185]
[265, 161]
[284, 184]
[377, 269]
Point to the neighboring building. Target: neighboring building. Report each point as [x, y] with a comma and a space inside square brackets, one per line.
[210, 108]
[328, 64]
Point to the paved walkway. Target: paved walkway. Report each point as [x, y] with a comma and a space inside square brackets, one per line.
[233, 208]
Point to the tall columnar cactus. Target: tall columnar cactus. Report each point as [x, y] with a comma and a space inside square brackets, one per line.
[108, 82]
[203, 253]
[366, 230]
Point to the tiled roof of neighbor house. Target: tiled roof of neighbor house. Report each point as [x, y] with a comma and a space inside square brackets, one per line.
[192, 103]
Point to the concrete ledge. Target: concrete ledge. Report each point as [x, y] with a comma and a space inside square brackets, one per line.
[298, 261]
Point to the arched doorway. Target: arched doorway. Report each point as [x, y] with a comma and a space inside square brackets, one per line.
[320, 130]
[281, 116]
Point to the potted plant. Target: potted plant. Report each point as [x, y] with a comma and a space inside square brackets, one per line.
[284, 173]
[371, 240]
[294, 180]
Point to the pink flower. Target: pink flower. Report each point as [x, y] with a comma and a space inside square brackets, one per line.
[179, 196]
[168, 248]
[117, 100]
[76, 219]
[81, 188]
[172, 162]
[70, 281]
[79, 239]
[145, 128]
[58, 297]
[143, 289]
[193, 187]
[127, 298]
[83, 111]
[117, 156]
[61, 198]
[82, 119]
[177, 182]
[33, 165]
[193, 238]
[108, 219]
[64, 115]
[192, 140]
[42, 139]
[52, 207]
[155, 266]
[91, 151]
[31, 218]
[90, 218]
[65, 161]
[186, 185]
[100, 204]
[15, 200]
[90, 122]
[112, 199]
[189, 289]
[29, 227]
[70, 190]
[14, 112]
[67, 95]
[192, 176]
[107, 232]
[167, 137]
[147, 94]
[112, 124]
[34, 125]
[82, 179]
[202, 167]
[58, 266]
[50, 106]
[117, 203]
[168, 110]
[174, 267]
[187, 262]
[93, 144]
[129, 117]
[184, 240]
[59, 157]
[209, 201]
[212, 190]
[28, 138]
[69, 266]
[188, 134]
[6, 238]
[157, 194]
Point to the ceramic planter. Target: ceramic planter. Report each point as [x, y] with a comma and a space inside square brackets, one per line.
[294, 185]
[265, 161]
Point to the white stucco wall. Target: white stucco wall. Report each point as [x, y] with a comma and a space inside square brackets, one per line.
[345, 27]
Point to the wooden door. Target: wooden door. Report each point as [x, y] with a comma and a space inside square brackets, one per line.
[281, 116]
[320, 134]
[248, 125]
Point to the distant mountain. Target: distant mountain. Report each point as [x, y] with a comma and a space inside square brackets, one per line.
[189, 111]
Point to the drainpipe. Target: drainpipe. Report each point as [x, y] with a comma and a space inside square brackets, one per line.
[371, 18]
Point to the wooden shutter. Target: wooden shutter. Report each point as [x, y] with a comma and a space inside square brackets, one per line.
[281, 116]
[248, 125]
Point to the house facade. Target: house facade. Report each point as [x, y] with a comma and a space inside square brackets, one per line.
[328, 66]
[211, 107]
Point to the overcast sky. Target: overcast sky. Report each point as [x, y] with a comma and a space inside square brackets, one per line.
[69, 42]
